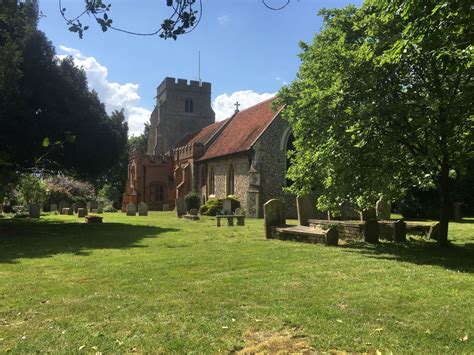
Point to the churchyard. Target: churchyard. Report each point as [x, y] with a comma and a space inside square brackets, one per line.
[157, 283]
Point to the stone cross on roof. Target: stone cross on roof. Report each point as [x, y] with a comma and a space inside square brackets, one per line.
[236, 106]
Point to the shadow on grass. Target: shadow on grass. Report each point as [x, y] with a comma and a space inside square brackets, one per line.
[38, 238]
[455, 257]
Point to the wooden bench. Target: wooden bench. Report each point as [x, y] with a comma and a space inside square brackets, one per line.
[230, 219]
[304, 234]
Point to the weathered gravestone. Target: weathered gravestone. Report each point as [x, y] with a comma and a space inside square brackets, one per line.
[273, 215]
[371, 231]
[34, 210]
[142, 209]
[131, 209]
[65, 210]
[181, 208]
[166, 207]
[306, 208]
[227, 206]
[383, 209]
[81, 212]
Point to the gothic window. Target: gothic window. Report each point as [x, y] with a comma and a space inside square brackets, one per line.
[188, 105]
[157, 193]
[212, 182]
[230, 181]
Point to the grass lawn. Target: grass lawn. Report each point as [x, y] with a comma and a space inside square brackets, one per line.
[157, 283]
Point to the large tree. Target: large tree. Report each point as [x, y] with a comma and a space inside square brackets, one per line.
[383, 102]
[49, 119]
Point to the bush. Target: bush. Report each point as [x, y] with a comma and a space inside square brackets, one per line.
[212, 208]
[192, 200]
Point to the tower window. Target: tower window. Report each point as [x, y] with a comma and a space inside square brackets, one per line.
[188, 105]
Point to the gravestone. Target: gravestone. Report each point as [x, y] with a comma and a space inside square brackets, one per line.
[166, 207]
[383, 209]
[306, 208]
[131, 209]
[193, 212]
[273, 215]
[53, 207]
[80, 204]
[81, 212]
[34, 210]
[65, 210]
[368, 214]
[371, 231]
[180, 206]
[142, 209]
[227, 206]
[63, 205]
[400, 231]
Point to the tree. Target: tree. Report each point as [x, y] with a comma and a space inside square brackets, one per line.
[184, 18]
[382, 102]
[49, 119]
[31, 189]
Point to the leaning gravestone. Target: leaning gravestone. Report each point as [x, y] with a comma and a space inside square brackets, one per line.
[383, 208]
[273, 215]
[142, 209]
[227, 206]
[131, 209]
[34, 210]
[180, 206]
[81, 212]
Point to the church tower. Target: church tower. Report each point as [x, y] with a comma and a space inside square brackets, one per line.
[182, 108]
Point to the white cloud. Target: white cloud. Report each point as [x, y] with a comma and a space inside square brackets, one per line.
[114, 95]
[223, 20]
[224, 105]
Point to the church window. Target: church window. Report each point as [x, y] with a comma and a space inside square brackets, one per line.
[230, 181]
[157, 193]
[212, 182]
[188, 105]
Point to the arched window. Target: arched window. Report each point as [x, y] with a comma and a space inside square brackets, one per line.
[157, 193]
[188, 105]
[230, 181]
[212, 182]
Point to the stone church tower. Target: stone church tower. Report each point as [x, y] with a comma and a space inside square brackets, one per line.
[182, 109]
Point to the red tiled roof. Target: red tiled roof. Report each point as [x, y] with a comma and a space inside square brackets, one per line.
[243, 129]
[205, 134]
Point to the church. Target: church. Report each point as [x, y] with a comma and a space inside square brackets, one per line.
[244, 155]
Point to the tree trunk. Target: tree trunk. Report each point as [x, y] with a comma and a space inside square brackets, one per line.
[445, 205]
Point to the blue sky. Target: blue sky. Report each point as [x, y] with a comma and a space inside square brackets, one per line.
[247, 51]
